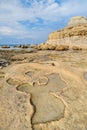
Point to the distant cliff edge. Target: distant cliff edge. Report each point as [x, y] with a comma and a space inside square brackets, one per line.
[75, 33]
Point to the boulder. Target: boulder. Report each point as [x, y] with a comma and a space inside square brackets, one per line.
[76, 48]
[17, 46]
[33, 46]
[5, 46]
[52, 46]
[24, 46]
[62, 48]
[4, 63]
[46, 46]
[42, 46]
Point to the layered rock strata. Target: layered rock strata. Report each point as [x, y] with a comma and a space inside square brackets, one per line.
[75, 33]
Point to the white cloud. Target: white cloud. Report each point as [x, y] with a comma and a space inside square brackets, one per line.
[6, 30]
[45, 9]
[73, 7]
[13, 11]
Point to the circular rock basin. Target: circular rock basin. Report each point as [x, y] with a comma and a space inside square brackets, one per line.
[11, 81]
[41, 80]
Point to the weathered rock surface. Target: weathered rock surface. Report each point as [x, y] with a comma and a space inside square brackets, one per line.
[4, 63]
[15, 109]
[78, 20]
[49, 93]
[5, 46]
[75, 33]
[62, 48]
[46, 90]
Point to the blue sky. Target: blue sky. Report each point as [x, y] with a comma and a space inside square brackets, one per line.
[31, 21]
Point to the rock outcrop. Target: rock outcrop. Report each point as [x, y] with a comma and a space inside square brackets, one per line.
[75, 33]
[49, 93]
[79, 20]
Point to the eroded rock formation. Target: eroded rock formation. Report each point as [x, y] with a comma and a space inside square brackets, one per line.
[49, 93]
[75, 33]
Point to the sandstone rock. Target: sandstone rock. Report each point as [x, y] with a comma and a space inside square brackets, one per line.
[42, 46]
[75, 33]
[15, 110]
[78, 20]
[21, 46]
[46, 46]
[17, 46]
[52, 46]
[76, 48]
[24, 46]
[44, 95]
[62, 48]
[33, 46]
[5, 46]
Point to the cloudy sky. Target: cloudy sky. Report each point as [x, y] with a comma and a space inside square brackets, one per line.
[31, 21]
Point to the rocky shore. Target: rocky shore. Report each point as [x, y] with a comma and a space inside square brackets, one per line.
[44, 88]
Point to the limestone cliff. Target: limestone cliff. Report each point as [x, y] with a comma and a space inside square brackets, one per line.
[74, 33]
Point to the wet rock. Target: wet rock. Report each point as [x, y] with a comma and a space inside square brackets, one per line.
[17, 46]
[24, 46]
[4, 63]
[5, 46]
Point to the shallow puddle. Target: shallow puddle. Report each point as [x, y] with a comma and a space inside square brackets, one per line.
[47, 107]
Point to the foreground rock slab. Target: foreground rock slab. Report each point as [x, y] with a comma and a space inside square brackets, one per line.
[46, 90]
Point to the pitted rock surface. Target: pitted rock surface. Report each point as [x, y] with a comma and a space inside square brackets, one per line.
[45, 95]
[78, 20]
